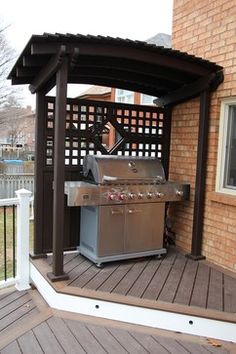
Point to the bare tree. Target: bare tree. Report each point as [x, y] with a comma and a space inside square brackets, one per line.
[7, 58]
[12, 122]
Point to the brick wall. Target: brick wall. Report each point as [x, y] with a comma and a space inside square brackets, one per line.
[206, 29]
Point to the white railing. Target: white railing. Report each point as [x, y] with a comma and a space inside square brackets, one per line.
[22, 239]
[9, 183]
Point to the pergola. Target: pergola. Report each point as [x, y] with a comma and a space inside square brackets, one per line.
[172, 76]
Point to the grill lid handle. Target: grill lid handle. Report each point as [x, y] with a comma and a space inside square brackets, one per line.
[110, 178]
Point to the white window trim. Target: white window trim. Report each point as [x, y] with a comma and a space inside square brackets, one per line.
[221, 157]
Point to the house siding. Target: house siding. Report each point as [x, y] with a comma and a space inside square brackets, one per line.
[205, 29]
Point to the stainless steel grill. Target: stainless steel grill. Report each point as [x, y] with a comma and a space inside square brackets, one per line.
[123, 206]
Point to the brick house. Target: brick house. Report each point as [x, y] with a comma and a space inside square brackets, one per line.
[207, 29]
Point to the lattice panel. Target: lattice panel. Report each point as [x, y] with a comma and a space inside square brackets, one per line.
[94, 127]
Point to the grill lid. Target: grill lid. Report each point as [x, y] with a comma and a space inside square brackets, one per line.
[123, 169]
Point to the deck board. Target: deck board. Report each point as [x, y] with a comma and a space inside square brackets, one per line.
[13, 305]
[15, 311]
[109, 343]
[116, 277]
[215, 294]
[85, 337]
[154, 288]
[170, 287]
[184, 292]
[140, 285]
[73, 263]
[102, 276]
[11, 298]
[128, 341]
[229, 294]
[200, 290]
[64, 336]
[194, 348]
[29, 344]
[149, 343]
[5, 293]
[12, 348]
[126, 283]
[172, 347]
[78, 270]
[201, 349]
[86, 277]
[47, 340]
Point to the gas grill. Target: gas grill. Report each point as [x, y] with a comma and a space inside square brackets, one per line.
[122, 206]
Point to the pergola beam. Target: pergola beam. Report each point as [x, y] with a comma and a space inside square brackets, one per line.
[79, 62]
[129, 66]
[29, 61]
[127, 52]
[48, 71]
[190, 91]
[149, 90]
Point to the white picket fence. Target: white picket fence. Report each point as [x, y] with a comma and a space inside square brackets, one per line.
[22, 201]
[9, 183]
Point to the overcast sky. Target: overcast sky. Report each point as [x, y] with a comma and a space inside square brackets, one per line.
[134, 19]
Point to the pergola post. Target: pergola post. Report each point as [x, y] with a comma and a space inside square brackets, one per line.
[59, 172]
[166, 140]
[39, 164]
[200, 184]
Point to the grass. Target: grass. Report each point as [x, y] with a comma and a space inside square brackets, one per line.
[9, 241]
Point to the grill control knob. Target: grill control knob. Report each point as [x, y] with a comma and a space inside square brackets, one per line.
[113, 197]
[122, 196]
[132, 196]
[140, 195]
[149, 195]
[179, 193]
[160, 194]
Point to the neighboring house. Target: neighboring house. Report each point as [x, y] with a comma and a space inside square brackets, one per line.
[17, 128]
[97, 93]
[160, 39]
[207, 29]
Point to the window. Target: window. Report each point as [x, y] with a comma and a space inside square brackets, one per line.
[226, 166]
[124, 96]
[146, 99]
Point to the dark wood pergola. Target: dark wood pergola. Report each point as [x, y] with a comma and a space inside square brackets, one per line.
[172, 76]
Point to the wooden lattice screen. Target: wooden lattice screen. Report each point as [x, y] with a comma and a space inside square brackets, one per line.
[99, 127]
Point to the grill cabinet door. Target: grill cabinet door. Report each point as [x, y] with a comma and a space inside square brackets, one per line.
[111, 230]
[144, 227]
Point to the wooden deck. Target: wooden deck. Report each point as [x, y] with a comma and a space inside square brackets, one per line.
[29, 326]
[173, 283]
